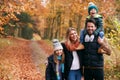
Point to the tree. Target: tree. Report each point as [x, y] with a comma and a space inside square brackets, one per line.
[72, 14]
[10, 8]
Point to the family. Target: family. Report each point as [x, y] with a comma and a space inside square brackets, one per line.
[80, 58]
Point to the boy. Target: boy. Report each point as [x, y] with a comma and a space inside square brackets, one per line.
[93, 13]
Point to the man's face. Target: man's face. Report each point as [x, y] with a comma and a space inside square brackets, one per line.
[90, 28]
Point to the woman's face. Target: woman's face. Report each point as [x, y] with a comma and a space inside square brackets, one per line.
[73, 36]
[59, 52]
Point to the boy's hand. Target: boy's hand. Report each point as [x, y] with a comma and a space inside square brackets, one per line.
[101, 40]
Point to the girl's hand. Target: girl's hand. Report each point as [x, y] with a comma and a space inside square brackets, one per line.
[82, 78]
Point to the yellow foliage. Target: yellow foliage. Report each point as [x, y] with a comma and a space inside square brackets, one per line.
[30, 25]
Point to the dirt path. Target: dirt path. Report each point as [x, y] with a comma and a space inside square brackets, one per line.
[39, 57]
[23, 59]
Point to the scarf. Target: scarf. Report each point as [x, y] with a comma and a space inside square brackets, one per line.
[59, 68]
[74, 46]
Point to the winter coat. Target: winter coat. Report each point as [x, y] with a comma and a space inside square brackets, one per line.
[50, 73]
[91, 57]
[69, 59]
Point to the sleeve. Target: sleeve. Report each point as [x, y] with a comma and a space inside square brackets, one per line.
[82, 35]
[81, 62]
[105, 48]
[99, 26]
[48, 71]
[64, 47]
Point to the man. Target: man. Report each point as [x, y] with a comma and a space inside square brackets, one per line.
[92, 60]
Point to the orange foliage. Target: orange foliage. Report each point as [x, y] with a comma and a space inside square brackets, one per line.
[16, 61]
[9, 7]
[69, 9]
[1, 28]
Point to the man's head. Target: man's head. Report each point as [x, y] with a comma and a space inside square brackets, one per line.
[90, 26]
[92, 9]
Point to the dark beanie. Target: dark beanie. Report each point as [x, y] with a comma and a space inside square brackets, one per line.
[92, 6]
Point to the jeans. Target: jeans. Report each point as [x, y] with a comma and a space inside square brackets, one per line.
[74, 75]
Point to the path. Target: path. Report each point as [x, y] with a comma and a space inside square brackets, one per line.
[39, 57]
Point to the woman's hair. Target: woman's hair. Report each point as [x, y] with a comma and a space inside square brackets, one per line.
[71, 45]
[68, 31]
[55, 57]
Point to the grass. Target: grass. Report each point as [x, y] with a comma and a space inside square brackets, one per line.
[5, 42]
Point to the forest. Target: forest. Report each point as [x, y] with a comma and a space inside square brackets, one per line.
[51, 18]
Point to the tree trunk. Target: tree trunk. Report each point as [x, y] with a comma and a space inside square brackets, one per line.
[79, 17]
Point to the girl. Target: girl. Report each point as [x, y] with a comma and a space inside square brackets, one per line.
[55, 66]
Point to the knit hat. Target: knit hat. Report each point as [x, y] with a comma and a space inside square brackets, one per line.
[57, 45]
[92, 6]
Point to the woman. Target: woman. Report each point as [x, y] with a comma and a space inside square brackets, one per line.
[55, 66]
[73, 55]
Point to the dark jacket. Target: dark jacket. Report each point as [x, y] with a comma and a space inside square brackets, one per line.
[99, 23]
[50, 73]
[91, 57]
[69, 59]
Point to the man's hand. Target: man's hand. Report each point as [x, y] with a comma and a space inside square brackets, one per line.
[104, 48]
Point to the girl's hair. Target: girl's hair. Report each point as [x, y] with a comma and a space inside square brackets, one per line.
[55, 57]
